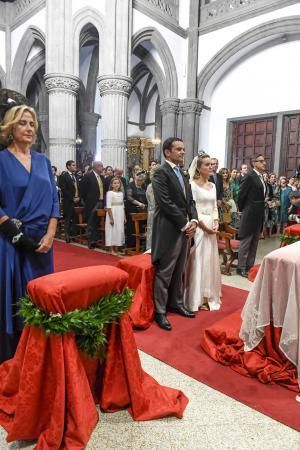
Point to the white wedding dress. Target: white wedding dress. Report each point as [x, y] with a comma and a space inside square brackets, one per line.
[203, 275]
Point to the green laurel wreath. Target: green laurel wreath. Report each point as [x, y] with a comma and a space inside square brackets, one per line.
[288, 239]
[89, 325]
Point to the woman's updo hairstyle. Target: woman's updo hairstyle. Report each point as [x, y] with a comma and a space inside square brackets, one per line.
[201, 156]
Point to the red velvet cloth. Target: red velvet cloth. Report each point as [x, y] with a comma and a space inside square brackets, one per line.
[140, 278]
[49, 389]
[266, 362]
[253, 272]
[292, 230]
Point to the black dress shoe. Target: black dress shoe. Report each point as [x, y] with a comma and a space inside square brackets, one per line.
[242, 272]
[162, 322]
[92, 245]
[183, 312]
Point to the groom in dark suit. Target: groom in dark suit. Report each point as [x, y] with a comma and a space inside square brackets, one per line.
[174, 224]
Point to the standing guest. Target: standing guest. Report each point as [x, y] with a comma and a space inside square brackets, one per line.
[218, 180]
[151, 208]
[29, 210]
[251, 202]
[243, 173]
[174, 225]
[109, 174]
[115, 217]
[228, 206]
[56, 181]
[234, 184]
[274, 204]
[79, 175]
[119, 173]
[136, 202]
[92, 190]
[136, 169]
[203, 280]
[292, 183]
[267, 228]
[70, 193]
[284, 192]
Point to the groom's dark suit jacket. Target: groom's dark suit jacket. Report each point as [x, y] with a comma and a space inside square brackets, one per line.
[173, 209]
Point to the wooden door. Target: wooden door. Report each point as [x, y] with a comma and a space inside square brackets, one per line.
[291, 144]
[250, 137]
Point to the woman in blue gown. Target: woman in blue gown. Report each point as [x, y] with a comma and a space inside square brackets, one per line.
[29, 210]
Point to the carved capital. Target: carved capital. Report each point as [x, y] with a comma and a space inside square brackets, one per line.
[57, 82]
[191, 106]
[169, 105]
[114, 85]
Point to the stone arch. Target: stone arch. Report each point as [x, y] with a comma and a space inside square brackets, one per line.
[31, 35]
[31, 67]
[252, 41]
[170, 80]
[83, 17]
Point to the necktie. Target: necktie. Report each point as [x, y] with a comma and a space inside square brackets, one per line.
[215, 178]
[179, 176]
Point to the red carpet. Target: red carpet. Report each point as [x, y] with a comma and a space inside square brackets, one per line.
[68, 256]
[181, 350]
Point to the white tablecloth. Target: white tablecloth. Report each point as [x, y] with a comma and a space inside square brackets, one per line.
[275, 299]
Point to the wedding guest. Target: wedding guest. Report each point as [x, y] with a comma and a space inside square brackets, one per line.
[251, 202]
[136, 169]
[136, 202]
[151, 207]
[243, 173]
[267, 228]
[109, 174]
[29, 210]
[228, 207]
[115, 218]
[118, 172]
[275, 203]
[234, 184]
[203, 276]
[218, 180]
[284, 192]
[69, 186]
[292, 183]
[294, 210]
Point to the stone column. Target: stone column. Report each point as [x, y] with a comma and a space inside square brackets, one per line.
[114, 91]
[63, 90]
[191, 110]
[169, 108]
[88, 133]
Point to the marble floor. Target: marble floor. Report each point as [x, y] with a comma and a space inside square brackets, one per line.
[212, 420]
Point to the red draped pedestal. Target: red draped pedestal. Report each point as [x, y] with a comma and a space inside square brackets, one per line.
[292, 230]
[140, 278]
[49, 389]
[253, 272]
[266, 362]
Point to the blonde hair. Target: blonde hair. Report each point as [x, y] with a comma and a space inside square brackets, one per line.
[200, 159]
[11, 118]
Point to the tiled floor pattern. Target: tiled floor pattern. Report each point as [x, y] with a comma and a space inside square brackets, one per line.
[212, 420]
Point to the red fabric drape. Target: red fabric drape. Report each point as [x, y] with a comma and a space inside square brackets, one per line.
[48, 390]
[140, 278]
[266, 362]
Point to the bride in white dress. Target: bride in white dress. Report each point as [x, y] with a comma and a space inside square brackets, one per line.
[203, 275]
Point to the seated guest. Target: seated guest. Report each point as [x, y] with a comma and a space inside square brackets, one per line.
[294, 210]
[115, 217]
[92, 188]
[284, 192]
[136, 202]
[70, 193]
[29, 210]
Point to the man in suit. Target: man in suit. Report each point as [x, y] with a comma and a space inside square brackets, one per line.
[92, 189]
[243, 173]
[68, 184]
[118, 172]
[251, 202]
[174, 224]
[217, 179]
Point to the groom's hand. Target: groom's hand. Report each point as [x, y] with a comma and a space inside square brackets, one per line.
[190, 230]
